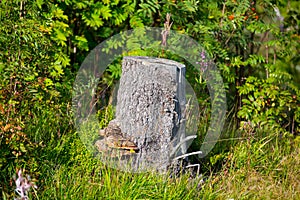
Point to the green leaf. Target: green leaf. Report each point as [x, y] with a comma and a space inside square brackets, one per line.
[40, 3]
[2, 66]
[136, 21]
[82, 42]
[59, 13]
[48, 82]
[22, 148]
[105, 12]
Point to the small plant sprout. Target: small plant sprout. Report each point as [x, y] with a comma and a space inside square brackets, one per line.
[23, 185]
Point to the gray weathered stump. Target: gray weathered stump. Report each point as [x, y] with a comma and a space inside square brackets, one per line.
[150, 102]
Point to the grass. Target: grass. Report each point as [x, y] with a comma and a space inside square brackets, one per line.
[265, 166]
[262, 169]
[85, 177]
[268, 171]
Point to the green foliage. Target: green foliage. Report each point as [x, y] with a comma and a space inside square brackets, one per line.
[34, 84]
[269, 105]
[43, 42]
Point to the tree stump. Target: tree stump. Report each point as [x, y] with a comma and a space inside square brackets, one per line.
[150, 103]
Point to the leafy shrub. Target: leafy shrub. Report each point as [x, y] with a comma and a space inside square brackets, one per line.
[269, 106]
[33, 88]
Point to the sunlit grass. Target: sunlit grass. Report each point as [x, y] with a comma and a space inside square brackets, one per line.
[259, 170]
[85, 177]
[265, 166]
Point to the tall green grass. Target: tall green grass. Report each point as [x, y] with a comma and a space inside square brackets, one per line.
[242, 165]
[85, 177]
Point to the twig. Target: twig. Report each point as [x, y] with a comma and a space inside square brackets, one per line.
[229, 37]
[21, 9]
[166, 31]
[274, 57]
[261, 40]
[223, 12]
[267, 56]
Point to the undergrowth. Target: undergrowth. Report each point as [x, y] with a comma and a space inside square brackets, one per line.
[261, 166]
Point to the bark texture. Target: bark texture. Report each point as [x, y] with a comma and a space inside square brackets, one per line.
[151, 98]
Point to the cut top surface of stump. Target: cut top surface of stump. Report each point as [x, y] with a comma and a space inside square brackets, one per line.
[151, 61]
